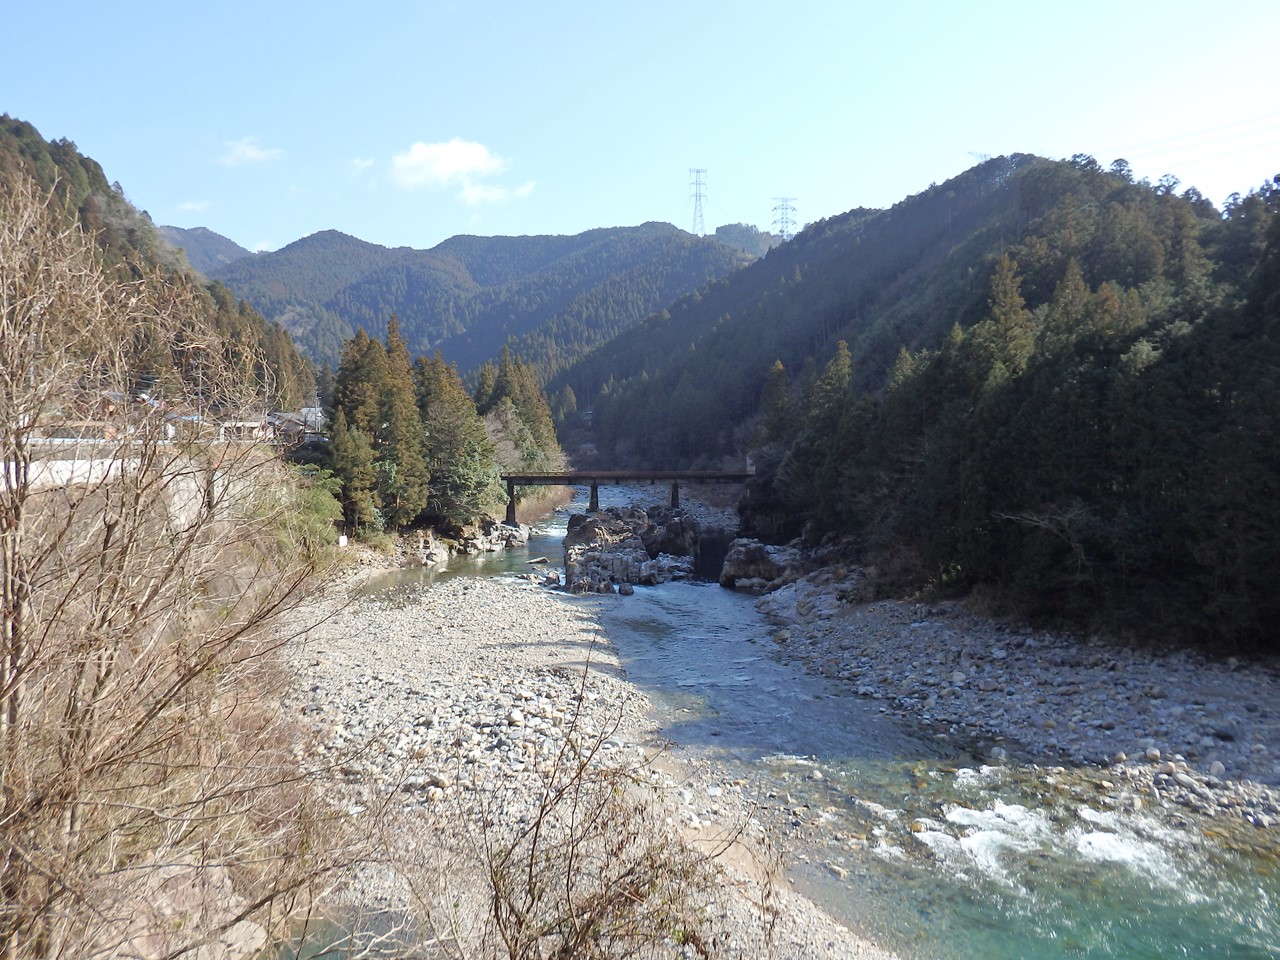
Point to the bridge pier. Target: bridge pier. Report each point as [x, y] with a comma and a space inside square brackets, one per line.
[574, 478]
[511, 504]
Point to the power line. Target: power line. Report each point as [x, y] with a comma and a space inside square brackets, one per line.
[698, 186]
[783, 218]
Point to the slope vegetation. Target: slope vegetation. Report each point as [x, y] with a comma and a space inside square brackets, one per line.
[131, 246]
[205, 250]
[550, 298]
[1041, 377]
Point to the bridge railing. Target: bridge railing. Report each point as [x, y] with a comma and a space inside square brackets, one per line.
[593, 479]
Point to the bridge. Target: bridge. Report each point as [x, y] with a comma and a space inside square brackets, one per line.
[593, 479]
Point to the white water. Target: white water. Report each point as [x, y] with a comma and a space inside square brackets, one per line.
[960, 860]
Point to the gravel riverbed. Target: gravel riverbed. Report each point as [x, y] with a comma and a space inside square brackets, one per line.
[450, 706]
[1169, 728]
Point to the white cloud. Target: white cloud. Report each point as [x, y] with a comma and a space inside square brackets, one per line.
[457, 163]
[194, 206]
[246, 150]
[360, 164]
[263, 246]
[474, 194]
[442, 164]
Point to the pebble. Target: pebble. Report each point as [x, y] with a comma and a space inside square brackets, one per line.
[461, 697]
[1046, 697]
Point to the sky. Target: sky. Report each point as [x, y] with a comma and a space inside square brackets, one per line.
[405, 122]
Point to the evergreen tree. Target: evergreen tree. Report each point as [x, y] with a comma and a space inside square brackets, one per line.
[486, 379]
[402, 467]
[777, 411]
[801, 472]
[360, 383]
[1009, 336]
[351, 451]
[464, 475]
[515, 384]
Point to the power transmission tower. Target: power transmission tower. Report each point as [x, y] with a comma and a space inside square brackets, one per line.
[698, 186]
[782, 216]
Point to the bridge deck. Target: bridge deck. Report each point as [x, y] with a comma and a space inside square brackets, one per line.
[577, 477]
[593, 479]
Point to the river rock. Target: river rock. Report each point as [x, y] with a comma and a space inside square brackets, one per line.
[750, 561]
[624, 546]
[670, 531]
[488, 536]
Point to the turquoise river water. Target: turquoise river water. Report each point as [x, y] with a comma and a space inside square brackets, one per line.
[919, 845]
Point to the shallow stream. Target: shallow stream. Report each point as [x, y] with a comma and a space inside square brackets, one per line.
[907, 837]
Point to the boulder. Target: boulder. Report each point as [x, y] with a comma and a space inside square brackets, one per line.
[624, 546]
[488, 536]
[670, 531]
[750, 564]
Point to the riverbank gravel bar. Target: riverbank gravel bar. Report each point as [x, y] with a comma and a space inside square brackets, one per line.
[458, 697]
[1175, 727]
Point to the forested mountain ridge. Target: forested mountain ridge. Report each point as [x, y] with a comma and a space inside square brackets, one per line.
[205, 250]
[292, 284]
[550, 298]
[1041, 378]
[872, 277]
[131, 245]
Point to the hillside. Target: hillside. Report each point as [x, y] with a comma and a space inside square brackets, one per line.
[205, 250]
[1041, 378]
[878, 279]
[550, 298]
[131, 245]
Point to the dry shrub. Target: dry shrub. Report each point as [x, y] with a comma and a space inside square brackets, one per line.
[583, 864]
[150, 803]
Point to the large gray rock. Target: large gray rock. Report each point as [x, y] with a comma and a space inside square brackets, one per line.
[670, 531]
[489, 536]
[752, 565]
[628, 545]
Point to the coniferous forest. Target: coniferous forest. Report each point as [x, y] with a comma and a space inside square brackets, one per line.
[1041, 379]
[550, 298]
[411, 445]
[130, 245]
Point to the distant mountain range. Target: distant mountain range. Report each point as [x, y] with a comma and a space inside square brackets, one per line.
[551, 299]
[206, 251]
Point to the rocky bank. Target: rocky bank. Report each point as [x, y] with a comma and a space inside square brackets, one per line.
[439, 711]
[618, 548]
[1164, 728]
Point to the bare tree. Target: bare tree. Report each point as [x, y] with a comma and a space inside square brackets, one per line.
[150, 799]
[586, 866]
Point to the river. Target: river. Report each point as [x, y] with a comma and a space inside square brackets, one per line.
[907, 837]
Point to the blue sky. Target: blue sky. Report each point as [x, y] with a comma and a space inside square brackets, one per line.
[404, 123]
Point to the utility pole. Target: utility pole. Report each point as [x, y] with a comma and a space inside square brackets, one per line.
[782, 216]
[698, 186]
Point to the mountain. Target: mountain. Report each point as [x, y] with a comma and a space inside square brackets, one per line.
[1041, 379]
[748, 239]
[549, 298]
[878, 279]
[131, 245]
[292, 284]
[206, 251]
